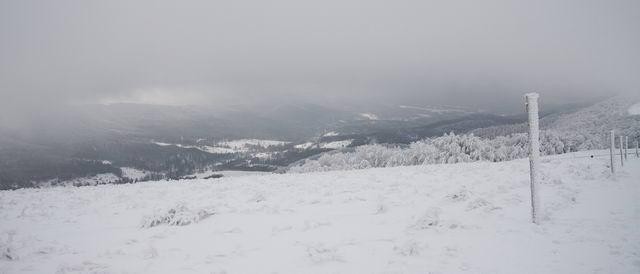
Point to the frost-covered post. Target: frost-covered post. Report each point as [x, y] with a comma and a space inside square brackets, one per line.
[626, 146]
[621, 156]
[534, 152]
[611, 151]
[637, 155]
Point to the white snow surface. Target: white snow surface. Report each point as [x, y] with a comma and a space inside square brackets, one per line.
[337, 144]
[209, 149]
[369, 116]
[238, 173]
[242, 144]
[229, 173]
[634, 109]
[304, 145]
[457, 218]
[233, 146]
[164, 144]
[331, 133]
[220, 150]
[439, 110]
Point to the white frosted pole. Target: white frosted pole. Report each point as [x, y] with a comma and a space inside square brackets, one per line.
[621, 156]
[637, 155]
[611, 151]
[534, 152]
[626, 146]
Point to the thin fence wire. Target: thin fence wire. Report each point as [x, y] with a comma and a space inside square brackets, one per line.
[575, 157]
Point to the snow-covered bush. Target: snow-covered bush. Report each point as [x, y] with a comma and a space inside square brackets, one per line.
[178, 215]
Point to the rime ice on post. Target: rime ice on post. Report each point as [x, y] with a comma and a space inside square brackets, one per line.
[621, 155]
[534, 152]
[612, 151]
[626, 146]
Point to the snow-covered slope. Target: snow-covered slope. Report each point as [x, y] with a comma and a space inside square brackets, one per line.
[471, 218]
[596, 120]
[585, 128]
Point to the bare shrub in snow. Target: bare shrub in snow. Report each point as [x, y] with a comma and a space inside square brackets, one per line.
[179, 215]
[7, 252]
[459, 196]
[428, 219]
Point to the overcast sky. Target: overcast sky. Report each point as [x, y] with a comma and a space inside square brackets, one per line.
[217, 52]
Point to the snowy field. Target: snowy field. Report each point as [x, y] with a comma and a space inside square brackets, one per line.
[459, 218]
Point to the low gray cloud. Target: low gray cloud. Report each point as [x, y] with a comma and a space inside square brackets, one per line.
[484, 53]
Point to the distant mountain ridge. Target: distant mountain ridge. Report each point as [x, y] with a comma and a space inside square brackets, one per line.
[174, 142]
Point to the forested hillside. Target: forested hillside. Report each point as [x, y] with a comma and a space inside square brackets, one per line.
[585, 129]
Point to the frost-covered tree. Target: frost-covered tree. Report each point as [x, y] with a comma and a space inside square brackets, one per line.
[446, 149]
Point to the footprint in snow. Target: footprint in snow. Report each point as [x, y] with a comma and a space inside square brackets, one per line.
[459, 196]
[408, 248]
[234, 230]
[150, 253]
[319, 254]
[482, 203]
[279, 229]
[380, 208]
[309, 225]
[258, 198]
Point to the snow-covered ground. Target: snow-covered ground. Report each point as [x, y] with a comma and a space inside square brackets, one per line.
[330, 134]
[634, 109]
[337, 144]
[209, 149]
[230, 173]
[369, 116]
[306, 145]
[243, 144]
[458, 218]
[438, 110]
[233, 146]
[219, 150]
